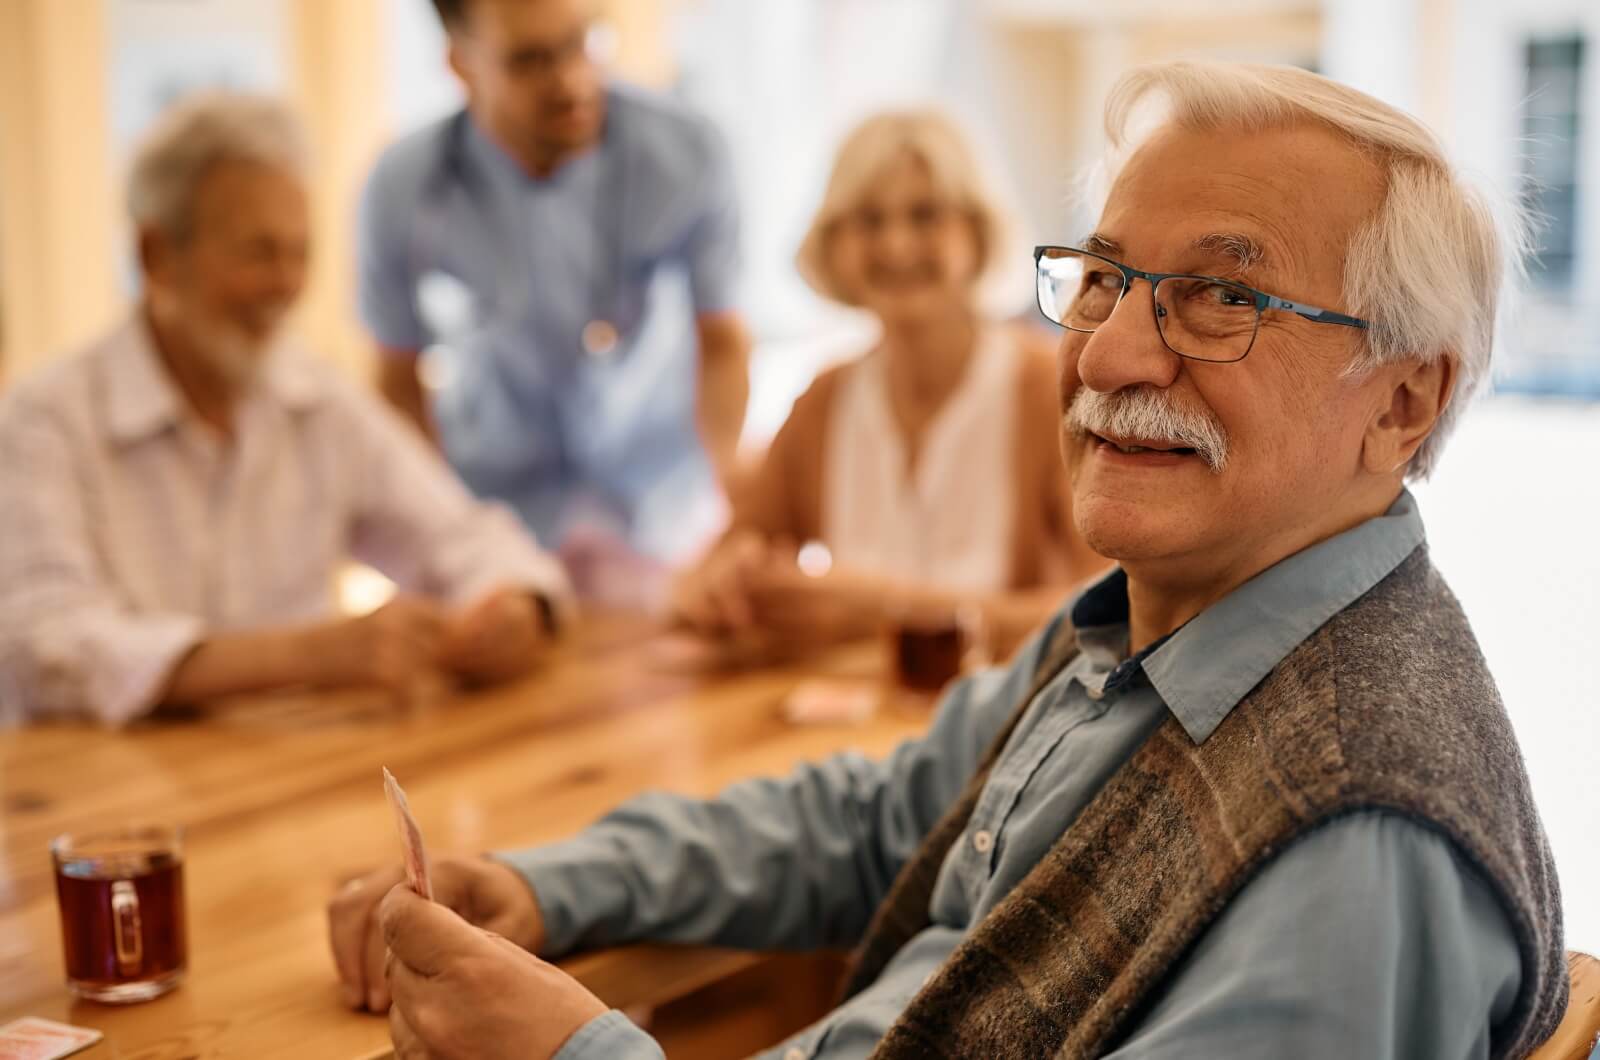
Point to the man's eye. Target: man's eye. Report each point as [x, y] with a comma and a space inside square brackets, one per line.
[1220, 294]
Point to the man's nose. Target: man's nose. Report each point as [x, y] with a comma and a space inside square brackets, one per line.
[1126, 350]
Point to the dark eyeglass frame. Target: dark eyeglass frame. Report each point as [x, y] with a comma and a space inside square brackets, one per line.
[1263, 300]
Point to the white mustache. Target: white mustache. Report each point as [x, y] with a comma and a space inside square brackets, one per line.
[1146, 412]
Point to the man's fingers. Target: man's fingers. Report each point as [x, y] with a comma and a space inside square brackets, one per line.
[407, 1046]
[375, 961]
[424, 936]
[351, 921]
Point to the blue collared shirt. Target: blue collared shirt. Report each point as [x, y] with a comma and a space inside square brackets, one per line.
[497, 273]
[1369, 938]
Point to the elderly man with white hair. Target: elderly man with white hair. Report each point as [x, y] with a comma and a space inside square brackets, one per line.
[176, 500]
[1254, 794]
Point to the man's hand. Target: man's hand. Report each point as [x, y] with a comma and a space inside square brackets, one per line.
[485, 892]
[463, 993]
[498, 638]
[397, 647]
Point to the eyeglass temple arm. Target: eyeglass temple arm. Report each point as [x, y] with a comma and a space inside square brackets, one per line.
[1311, 312]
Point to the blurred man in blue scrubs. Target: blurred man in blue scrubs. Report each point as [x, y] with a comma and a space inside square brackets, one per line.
[549, 276]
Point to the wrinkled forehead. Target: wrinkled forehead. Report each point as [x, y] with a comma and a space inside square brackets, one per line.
[1278, 203]
[241, 198]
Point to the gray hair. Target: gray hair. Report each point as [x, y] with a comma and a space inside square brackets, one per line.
[197, 134]
[1428, 270]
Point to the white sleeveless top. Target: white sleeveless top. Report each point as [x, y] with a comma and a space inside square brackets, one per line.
[951, 523]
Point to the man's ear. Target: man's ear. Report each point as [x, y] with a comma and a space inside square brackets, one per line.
[1415, 395]
[156, 255]
[457, 60]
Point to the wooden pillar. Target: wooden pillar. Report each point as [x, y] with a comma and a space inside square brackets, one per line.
[339, 77]
[59, 221]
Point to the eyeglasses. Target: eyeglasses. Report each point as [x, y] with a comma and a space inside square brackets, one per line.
[1203, 318]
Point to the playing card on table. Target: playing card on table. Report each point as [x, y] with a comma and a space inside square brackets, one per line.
[33, 1038]
[410, 838]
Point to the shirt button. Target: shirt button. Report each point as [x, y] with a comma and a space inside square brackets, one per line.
[1096, 694]
[983, 842]
[795, 1054]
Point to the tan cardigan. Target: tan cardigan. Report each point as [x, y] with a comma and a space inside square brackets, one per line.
[784, 497]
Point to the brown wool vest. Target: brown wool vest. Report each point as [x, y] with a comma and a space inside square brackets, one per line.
[1388, 706]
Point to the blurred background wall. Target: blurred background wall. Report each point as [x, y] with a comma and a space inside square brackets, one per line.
[1508, 84]
[1512, 85]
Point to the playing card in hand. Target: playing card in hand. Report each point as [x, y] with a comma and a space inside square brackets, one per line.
[416, 855]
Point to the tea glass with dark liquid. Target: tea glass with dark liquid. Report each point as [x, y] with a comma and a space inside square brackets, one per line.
[931, 649]
[122, 912]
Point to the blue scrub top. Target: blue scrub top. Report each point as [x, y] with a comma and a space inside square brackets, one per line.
[496, 273]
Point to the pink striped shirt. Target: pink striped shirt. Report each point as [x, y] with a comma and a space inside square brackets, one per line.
[129, 530]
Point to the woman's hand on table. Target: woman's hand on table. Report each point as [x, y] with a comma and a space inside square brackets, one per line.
[713, 596]
[484, 892]
[820, 608]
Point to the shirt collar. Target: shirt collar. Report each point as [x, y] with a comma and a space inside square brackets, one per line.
[1204, 669]
[142, 400]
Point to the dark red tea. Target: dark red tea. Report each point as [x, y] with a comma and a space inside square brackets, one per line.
[928, 657]
[122, 921]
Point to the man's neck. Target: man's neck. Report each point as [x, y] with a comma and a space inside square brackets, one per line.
[1166, 593]
[208, 395]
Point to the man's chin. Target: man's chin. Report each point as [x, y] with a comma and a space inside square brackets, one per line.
[238, 361]
[574, 130]
[1128, 529]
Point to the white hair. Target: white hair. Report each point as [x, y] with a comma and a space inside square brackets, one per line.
[197, 134]
[1427, 271]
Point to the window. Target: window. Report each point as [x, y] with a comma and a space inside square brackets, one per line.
[1551, 129]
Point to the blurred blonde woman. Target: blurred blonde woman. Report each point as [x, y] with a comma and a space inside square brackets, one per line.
[929, 468]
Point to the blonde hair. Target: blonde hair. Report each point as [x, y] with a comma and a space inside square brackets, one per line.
[1427, 271]
[937, 141]
[197, 134]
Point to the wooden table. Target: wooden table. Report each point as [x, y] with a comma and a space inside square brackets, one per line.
[282, 800]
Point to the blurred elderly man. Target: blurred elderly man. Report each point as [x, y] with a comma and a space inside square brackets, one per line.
[1254, 794]
[177, 498]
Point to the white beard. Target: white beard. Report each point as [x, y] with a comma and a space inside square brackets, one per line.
[235, 358]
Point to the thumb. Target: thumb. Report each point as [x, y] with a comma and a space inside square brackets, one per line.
[423, 935]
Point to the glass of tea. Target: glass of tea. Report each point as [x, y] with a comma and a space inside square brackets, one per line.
[931, 647]
[122, 913]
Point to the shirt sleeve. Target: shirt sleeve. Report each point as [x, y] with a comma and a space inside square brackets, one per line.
[385, 286]
[416, 522]
[793, 863]
[1368, 938]
[712, 247]
[611, 1036]
[69, 644]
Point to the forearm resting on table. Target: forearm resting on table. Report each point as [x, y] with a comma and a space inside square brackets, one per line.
[400, 382]
[724, 388]
[228, 664]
